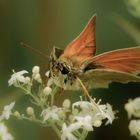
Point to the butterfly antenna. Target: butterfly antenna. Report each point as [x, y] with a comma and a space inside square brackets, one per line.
[33, 49]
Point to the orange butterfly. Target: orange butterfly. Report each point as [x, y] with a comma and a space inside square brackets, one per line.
[77, 63]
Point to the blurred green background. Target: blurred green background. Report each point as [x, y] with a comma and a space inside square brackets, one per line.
[43, 24]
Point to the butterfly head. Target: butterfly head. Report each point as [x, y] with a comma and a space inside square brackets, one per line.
[63, 72]
[57, 65]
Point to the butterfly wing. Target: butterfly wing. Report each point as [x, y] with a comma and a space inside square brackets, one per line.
[101, 78]
[124, 60]
[122, 65]
[83, 47]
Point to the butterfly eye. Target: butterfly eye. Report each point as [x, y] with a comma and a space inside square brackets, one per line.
[55, 67]
[64, 70]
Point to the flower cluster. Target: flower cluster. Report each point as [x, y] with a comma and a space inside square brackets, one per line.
[4, 134]
[7, 111]
[133, 109]
[71, 121]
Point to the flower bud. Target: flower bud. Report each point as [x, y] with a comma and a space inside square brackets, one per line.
[27, 79]
[37, 77]
[129, 108]
[35, 69]
[17, 114]
[47, 73]
[97, 123]
[47, 90]
[30, 111]
[66, 103]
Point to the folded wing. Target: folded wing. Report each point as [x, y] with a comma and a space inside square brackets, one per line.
[121, 65]
[101, 78]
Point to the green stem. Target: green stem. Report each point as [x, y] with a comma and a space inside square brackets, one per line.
[28, 92]
[35, 120]
[55, 90]
[55, 128]
[83, 135]
[52, 99]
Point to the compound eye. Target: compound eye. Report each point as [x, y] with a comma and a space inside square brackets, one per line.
[55, 68]
[64, 70]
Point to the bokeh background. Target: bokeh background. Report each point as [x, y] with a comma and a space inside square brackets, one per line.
[47, 23]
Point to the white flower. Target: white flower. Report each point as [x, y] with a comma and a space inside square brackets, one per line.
[7, 111]
[84, 122]
[98, 112]
[110, 114]
[104, 112]
[67, 133]
[84, 105]
[133, 107]
[4, 134]
[134, 127]
[18, 77]
[51, 113]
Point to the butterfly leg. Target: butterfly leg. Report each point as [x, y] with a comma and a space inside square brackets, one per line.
[87, 95]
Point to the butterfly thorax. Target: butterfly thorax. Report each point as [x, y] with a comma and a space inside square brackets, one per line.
[64, 74]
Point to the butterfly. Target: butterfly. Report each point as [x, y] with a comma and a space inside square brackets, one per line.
[77, 65]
